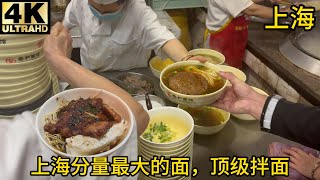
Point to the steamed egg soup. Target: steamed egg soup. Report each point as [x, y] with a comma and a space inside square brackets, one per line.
[205, 116]
[166, 128]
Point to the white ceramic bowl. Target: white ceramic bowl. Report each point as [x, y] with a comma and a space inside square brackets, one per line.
[23, 66]
[191, 100]
[209, 52]
[21, 47]
[208, 130]
[237, 72]
[110, 99]
[23, 72]
[17, 39]
[248, 117]
[155, 101]
[21, 79]
[25, 97]
[21, 56]
[13, 85]
[146, 145]
[158, 151]
[30, 87]
[175, 113]
[155, 71]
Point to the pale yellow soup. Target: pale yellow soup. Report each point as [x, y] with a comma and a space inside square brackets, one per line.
[177, 128]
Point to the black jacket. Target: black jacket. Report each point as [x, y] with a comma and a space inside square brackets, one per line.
[297, 122]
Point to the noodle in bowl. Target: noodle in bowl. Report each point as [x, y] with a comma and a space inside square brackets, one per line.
[80, 145]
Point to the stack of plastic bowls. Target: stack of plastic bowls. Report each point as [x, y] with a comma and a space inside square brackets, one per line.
[180, 148]
[25, 81]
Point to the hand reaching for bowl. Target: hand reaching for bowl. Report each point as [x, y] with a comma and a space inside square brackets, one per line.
[240, 97]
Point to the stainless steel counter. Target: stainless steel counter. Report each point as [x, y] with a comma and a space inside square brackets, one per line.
[238, 138]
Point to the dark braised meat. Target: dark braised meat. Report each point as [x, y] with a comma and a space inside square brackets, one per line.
[188, 83]
[88, 117]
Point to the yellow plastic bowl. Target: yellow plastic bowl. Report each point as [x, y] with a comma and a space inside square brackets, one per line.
[162, 63]
[17, 39]
[191, 100]
[21, 47]
[209, 52]
[21, 57]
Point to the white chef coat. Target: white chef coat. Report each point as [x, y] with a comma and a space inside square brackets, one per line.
[220, 12]
[20, 147]
[120, 45]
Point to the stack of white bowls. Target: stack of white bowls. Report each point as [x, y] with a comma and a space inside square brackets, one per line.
[24, 75]
[179, 148]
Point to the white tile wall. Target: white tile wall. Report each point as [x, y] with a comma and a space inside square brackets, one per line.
[269, 76]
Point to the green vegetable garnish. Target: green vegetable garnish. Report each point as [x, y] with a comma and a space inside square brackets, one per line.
[159, 130]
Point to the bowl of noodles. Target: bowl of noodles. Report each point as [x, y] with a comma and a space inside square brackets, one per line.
[192, 83]
[84, 122]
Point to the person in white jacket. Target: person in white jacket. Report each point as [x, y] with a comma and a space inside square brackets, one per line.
[120, 34]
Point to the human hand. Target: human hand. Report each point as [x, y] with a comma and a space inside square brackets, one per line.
[58, 43]
[57, 48]
[240, 97]
[302, 162]
[199, 58]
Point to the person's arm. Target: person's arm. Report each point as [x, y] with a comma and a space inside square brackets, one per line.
[259, 11]
[55, 47]
[293, 121]
[157, 37]
[297, 122]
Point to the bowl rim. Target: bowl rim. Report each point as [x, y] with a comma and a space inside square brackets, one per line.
[124, 140]
[41, 92]
[23, 43]
[227, 66]
[14, 78]
[191, 96]
[153, 59]
[174, 142]
[21, 64]
[193, 51]
[21, 53]
[224, 122]
[37, 78]
[152, 98]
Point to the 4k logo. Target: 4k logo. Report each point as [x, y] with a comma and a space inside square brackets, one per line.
[27, 17]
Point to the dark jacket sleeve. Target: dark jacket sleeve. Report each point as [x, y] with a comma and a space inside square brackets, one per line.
[297, 122]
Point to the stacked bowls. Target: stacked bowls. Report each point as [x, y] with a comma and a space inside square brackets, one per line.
[182, 147]
[25, 81]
